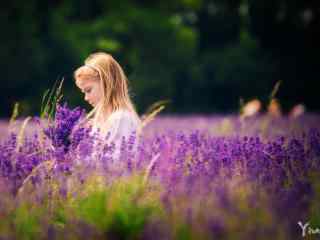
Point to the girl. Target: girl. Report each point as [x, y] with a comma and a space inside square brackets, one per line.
[105, 88]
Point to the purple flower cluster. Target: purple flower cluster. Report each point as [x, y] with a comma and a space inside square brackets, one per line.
[206, 178]
[64, 122]
[17, 163]
[200, 165]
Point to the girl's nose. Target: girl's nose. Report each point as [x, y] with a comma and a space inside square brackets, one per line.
[86, 98]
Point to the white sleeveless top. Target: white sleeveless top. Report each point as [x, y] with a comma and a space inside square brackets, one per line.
[121, 123]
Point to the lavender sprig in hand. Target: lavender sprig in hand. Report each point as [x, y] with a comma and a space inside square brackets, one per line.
[64, 125]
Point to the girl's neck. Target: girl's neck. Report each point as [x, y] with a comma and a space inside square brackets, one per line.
[103, 114]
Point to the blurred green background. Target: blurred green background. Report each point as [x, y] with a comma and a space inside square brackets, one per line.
[202, 55]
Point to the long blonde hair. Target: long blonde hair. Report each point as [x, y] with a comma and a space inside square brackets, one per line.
[114, 83]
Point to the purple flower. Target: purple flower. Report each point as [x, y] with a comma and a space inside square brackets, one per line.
[64, 122]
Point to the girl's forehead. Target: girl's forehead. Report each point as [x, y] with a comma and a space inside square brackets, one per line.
[85, 70]
[84, 82]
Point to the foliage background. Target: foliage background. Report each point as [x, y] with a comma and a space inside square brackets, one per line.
[202, 55]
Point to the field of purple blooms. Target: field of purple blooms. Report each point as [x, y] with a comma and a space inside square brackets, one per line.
[192, 177]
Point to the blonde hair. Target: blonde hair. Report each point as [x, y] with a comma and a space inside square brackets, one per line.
[114, 83]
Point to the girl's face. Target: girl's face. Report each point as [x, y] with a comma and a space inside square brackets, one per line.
[91, 89]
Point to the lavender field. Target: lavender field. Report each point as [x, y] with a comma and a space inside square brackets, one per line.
[192, 177]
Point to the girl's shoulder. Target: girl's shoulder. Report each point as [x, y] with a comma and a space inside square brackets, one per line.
[123, 122]
[124, 115]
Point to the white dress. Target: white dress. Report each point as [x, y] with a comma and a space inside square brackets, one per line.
[121, 123]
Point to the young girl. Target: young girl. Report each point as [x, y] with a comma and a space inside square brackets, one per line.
[105, 88]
